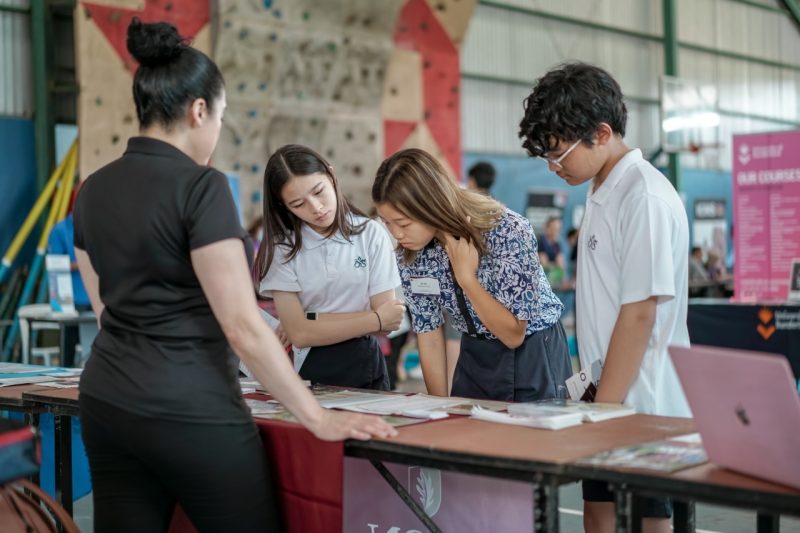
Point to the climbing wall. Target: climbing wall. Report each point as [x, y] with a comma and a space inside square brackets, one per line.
[106, 114]
[354, 79]
[308, 72]
[421, 101]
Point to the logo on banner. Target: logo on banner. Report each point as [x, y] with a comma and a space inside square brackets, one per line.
[764, 328]
[741, 414]
[428, 487]
[767, 151]
[744, 154]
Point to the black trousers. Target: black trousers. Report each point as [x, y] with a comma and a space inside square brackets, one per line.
[356, 362]
[536, 370]
[141, 467]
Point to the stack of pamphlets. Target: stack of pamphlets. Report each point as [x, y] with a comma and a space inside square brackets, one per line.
[662, 456]
[264, 407]
[414, 406]
[17, 374]
[590, 412]
[541, 420]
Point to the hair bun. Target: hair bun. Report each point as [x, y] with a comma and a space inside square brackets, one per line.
[154, 44]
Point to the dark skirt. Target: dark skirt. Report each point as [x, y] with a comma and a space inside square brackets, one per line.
[355, 363]
[536, 370]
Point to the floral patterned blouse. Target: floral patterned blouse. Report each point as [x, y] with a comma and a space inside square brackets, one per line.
[509, 270]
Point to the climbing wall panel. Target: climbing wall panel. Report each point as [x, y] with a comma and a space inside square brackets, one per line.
[307, 72]
[421, 103]
[454, 16]
[402, 90]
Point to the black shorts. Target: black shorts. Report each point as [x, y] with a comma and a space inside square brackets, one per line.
[597, 491]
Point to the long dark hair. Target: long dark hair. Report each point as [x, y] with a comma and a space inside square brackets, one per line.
[281, 226]
[171, 74]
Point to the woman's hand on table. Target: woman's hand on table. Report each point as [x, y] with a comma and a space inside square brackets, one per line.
[341, 425]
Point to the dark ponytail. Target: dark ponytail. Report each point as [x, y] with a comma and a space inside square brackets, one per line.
[171, 74]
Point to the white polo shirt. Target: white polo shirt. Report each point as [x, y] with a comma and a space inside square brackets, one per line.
[334, 275]
[634, 244]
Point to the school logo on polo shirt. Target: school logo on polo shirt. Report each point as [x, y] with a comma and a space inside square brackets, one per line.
[592, 242]
[360, 262]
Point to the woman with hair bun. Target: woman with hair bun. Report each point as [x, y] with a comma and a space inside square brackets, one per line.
[165, 263]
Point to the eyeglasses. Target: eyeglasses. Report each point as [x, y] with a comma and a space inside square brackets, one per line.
[557, 162]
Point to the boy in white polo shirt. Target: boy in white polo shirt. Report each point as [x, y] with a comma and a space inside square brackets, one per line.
[632, 282]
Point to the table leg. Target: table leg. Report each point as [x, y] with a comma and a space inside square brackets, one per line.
[636, 513]
[623, 509]
[63, 455]
[32, 419]
[68, 338]
[545, 507]
[768, 523]
[683, 517]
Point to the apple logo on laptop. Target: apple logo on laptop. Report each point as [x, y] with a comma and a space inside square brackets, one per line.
[742, 415]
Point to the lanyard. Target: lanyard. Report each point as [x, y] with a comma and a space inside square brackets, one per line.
[462, 304]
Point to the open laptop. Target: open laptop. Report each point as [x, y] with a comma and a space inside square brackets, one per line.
[746, 408]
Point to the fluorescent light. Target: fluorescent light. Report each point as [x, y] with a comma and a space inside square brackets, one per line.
[699, 120]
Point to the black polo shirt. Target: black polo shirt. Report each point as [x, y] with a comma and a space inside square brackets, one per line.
[160, 351]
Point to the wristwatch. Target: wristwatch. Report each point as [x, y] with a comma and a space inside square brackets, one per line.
[311, 315]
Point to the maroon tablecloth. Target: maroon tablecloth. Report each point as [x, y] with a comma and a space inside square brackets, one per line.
[308, 477]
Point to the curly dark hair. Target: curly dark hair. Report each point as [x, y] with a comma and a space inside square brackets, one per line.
[569, 103]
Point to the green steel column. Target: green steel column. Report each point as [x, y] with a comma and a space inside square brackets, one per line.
[794, 8]
[42, 68]
[671, 69]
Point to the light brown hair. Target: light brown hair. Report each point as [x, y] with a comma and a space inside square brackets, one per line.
[415, 184]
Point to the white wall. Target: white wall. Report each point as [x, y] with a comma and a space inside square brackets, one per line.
[16, 74]
[505, 50]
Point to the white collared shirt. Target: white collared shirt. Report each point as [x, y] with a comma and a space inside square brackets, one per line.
[634, 244]
[334, 275]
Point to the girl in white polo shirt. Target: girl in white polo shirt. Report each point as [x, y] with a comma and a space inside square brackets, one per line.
[330, 270]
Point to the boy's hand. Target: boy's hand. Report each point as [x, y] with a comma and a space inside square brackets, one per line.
[463, 258]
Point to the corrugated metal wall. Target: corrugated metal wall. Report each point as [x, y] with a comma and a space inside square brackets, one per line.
[512, 42]
[16, 73]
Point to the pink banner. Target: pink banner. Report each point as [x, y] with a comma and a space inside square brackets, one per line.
[766, 210]
[455, 502]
